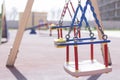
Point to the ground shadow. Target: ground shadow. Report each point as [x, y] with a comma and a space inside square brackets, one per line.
[94, 77]
[17, 73]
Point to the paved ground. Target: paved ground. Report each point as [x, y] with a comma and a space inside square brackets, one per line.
[39, 59]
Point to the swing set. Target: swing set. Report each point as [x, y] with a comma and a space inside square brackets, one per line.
[67, 6]
[74, 68]
[92, 66]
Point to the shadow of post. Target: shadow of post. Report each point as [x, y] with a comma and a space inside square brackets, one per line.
[16, 73]
[94, 77]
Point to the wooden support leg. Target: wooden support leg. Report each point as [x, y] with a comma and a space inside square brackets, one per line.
[4, 24]
[0, 30]
[1, 22]
[95, 5]
[22, 25]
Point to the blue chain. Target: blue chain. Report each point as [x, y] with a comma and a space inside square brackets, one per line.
[83, 10]
[94, 14]
[97, 21]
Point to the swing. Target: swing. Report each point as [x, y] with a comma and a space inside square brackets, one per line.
[60, 26]
[89, 67]
[92, 66]
[86, 68]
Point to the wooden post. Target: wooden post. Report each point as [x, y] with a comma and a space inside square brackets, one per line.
[0, 26]
[4, 24]
[22, 25]
[95, 5]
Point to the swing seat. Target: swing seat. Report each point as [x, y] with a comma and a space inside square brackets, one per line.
[86, 68]
[52, 26]
[61, 40]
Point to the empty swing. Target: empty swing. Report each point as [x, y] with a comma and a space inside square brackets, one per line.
[60, 26]
[92, 66]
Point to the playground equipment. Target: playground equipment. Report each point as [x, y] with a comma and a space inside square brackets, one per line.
[89, 67]
[35, 27]
[0, 30]
[92, 66]
[60, 24]
[21, 29]
[3, 27]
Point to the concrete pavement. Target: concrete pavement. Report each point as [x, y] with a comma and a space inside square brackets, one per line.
[39, 59]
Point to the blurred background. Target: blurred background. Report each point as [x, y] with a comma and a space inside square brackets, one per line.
[47, 11]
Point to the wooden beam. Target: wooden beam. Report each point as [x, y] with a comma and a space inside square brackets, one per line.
[0, 26]
[96, 8]
[14, 51]
[4, 23]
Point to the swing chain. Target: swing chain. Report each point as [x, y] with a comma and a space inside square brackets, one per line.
[87, 24]
[79, 2]
[91, 33]
[78, 29]
[63, 12]
[104, 36]
[60, 22]
[71, 28]
[67, 1]
[67, 37]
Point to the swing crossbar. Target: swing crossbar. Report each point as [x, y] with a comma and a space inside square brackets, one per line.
[80, 39]
[55, 27]
[72, 43]
[69, 40]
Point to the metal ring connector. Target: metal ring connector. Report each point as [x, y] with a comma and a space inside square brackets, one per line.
[67, 37]
[105, 37]
[91, 35]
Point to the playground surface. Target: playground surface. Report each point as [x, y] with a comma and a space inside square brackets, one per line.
[39, 59]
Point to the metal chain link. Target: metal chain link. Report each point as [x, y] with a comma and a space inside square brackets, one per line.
[83, 16]
[63, 12]
[104, 36]
[71, 28]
